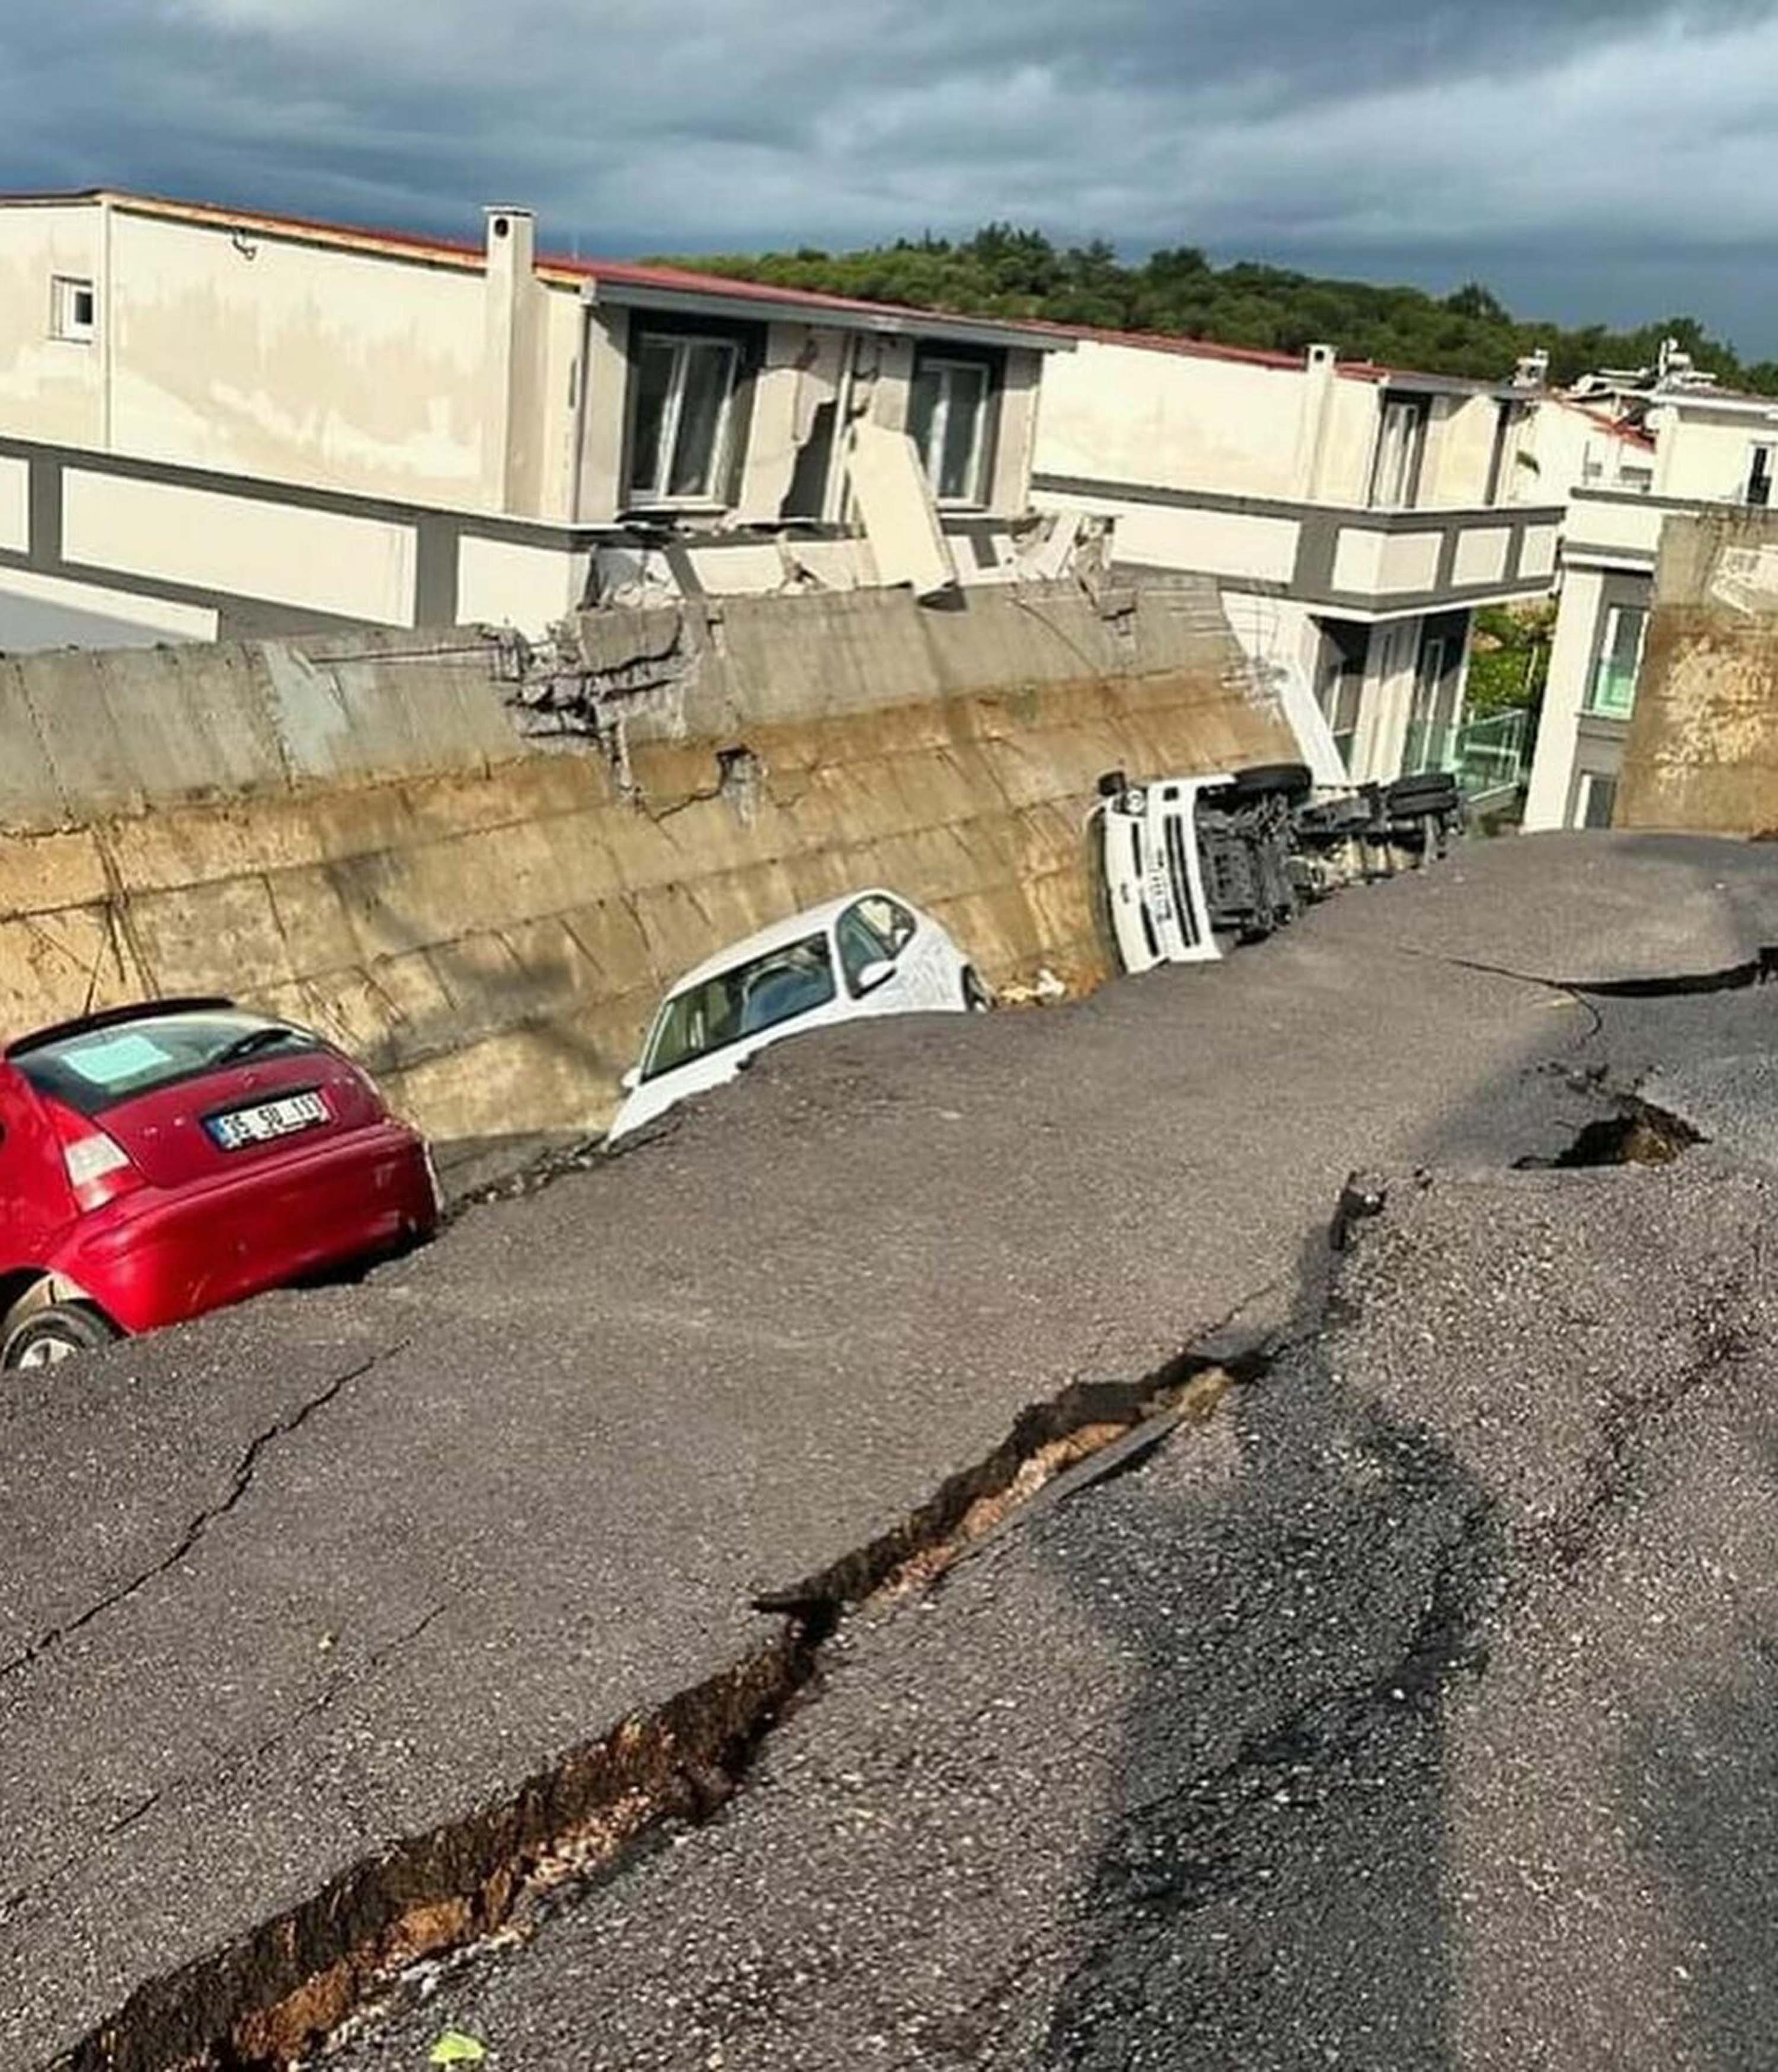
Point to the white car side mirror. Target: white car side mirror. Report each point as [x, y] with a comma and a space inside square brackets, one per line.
[878, 972]
[632, 1080]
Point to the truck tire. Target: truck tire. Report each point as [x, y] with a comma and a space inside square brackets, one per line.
[1409, 798]
[1294, 780]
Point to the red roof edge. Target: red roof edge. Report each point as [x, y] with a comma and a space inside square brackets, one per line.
[1631, 434]
[636, 274]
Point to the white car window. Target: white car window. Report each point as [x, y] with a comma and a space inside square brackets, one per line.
[891, 918]
[742, 1001]
[862, 942]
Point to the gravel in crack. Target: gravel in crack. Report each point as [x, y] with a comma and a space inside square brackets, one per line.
[1413, 1712]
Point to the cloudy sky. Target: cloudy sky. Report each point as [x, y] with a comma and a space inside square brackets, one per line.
[1589, 158]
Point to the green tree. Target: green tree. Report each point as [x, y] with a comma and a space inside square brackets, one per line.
[1007, 271]
[1510, 656]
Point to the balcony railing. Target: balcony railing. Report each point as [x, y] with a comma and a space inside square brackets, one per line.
[1490, 754]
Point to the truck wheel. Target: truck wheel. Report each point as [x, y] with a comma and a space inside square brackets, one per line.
[1409, 798]
[1294, 780]
[50, 1335]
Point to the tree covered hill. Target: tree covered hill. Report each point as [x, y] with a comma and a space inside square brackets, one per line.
[1005, 272]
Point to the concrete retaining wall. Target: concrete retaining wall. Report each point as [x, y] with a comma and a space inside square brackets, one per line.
[1703, 751]
[357, 834]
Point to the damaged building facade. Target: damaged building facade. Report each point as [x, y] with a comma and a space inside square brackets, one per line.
[1354, 515]
[1659, 443]
[219, 424]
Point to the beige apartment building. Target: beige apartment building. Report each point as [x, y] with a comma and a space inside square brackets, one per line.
[221, 423]
[1655, 442]
[214, 422]
[1354, 515]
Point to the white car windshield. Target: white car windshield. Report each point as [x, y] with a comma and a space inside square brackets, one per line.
[741, 1002]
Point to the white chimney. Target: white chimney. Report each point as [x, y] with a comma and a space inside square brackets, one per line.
[511, 252]
[1319, 362]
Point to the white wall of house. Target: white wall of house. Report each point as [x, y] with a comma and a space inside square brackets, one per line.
[1567, 448]
[1159, 418]
[1612, 544]
[51, 388]
[1565, 692]
[1173, 421]
[1241, 546]
[1705, 453]
[1459, 449]
[260, 353]
[458, 379]
[295, 362]
[1348, 444]
[1388, 701]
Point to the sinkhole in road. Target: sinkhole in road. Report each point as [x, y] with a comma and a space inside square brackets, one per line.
[1639, 1134]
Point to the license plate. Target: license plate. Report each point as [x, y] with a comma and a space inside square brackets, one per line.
[266, 1119]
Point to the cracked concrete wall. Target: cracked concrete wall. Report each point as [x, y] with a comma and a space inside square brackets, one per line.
[355, 833]
[1703, 751]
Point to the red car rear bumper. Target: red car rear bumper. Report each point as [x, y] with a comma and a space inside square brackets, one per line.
[157, 1256]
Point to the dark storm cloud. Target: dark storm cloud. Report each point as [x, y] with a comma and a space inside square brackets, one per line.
[1393, 141]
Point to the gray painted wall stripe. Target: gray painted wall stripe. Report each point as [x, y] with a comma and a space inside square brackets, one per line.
[1281, 507]
[1348, 604]
[304, 496]
[435, 572]
[45, 547]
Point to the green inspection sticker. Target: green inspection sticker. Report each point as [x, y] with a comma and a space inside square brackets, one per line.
[116, 1058]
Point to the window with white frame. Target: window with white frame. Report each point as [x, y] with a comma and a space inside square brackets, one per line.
[1339, 687]
[948, 420]
[1596, 801]
[683, 391]
[1758, 489]
[1612, 691]
[73, 309]
[1402, 439]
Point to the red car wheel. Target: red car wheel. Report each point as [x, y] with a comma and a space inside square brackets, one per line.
[51, 1335]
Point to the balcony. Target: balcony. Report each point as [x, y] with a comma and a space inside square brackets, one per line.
[1379, 563]
[1366, 564]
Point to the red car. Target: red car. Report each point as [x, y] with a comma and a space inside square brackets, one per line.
[159, 1160]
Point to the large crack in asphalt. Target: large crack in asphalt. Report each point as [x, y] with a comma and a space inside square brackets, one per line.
[279, 1991]
[246, 1469]
[286, 1986]
[1759, 970]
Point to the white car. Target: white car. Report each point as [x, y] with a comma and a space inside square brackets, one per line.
[871, 952]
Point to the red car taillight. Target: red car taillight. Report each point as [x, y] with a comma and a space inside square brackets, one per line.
[98, 1167]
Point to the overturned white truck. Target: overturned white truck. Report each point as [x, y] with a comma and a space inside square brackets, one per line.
[1185, 867]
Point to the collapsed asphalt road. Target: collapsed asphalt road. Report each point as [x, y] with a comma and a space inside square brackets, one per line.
[342, 1569]
[1414, 1710]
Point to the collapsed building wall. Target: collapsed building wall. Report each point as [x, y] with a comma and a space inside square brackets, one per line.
[1703, 751]
[476, 865]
